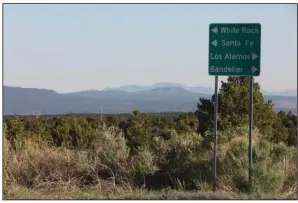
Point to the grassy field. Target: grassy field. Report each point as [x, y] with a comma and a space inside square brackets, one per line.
[104, 164]
[97, 193]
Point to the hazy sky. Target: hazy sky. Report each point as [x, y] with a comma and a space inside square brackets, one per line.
[76, 47]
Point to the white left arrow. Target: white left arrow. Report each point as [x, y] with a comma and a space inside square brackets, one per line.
[215, 30]
[214, 43]
[254, 56]
[253, 69]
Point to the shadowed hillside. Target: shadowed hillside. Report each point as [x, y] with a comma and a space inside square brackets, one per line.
[163, 99]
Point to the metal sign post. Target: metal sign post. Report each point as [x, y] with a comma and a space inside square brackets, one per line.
[251, 93]
[215, 132]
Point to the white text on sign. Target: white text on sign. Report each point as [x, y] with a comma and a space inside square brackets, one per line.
[233, 43]
[243, 30]
[230, 56]
[226, 69]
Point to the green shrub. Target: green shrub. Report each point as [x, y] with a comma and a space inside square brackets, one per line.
[270, 170]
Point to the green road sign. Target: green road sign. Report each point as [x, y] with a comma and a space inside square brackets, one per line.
[234, 49]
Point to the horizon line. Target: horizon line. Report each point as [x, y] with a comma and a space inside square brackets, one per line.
[118, 88]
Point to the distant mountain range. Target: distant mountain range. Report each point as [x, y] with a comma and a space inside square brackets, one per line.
[136, 88]
[162, 97]
[196, 89]
[291, 92]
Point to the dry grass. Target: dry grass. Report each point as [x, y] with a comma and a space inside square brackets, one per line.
[43, 168]
[106, 170]
[94, 193]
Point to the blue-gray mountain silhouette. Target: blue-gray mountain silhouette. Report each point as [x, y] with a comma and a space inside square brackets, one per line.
[161, 99]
